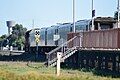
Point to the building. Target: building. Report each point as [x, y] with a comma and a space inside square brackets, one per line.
[104, 23]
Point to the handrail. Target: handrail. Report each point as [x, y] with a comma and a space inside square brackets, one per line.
[63, 57]
[56, 49]
[61, 45]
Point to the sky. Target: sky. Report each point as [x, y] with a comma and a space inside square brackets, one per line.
[46, 13]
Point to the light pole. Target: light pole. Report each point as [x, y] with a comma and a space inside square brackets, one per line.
[73, 15]
[92, 17]
[118, 14]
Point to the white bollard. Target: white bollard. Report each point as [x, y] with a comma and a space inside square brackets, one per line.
[11, 48]
[58, 62]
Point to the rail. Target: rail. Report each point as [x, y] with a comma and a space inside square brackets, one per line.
[61, 45]
[52, 56]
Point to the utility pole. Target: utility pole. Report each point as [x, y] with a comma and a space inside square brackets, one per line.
[33, 24]
[93, 14]
[37, 40]
[118, 13]
[74, 16]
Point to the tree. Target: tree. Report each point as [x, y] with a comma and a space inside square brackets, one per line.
[18, 30]
[3, 37]
[17, 38]
[3, 40]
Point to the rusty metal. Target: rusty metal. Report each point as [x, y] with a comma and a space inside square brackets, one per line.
[106, 39]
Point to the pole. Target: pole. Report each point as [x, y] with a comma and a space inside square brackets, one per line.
[92, 17]
[118, 14]
[36, 51]
[33, 23]
[73, 15]
[58, 62]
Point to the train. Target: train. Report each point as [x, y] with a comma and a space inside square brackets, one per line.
[54, 36]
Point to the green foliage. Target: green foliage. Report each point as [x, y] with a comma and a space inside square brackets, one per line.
[3, 40]
[18, 30]
[38, 71]
[3, 37]
[18, 36]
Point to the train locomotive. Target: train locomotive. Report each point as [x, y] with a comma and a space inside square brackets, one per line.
[52, 37]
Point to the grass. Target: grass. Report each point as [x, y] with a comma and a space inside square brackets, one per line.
[37, 71]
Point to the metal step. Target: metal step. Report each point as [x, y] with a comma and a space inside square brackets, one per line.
[52, 57]
[54, 62]
[68, 55]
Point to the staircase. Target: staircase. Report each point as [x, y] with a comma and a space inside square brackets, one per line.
[67, 52]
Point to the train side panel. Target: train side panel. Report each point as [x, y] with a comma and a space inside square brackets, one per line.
[42, 37]
[62, 31]
[50, 34]
[82, 25]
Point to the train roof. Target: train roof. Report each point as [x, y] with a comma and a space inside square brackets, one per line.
[105, 19]
[82, 22]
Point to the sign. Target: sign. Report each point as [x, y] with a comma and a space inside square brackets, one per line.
[37, 36]
[56, 37]
[93, 13]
